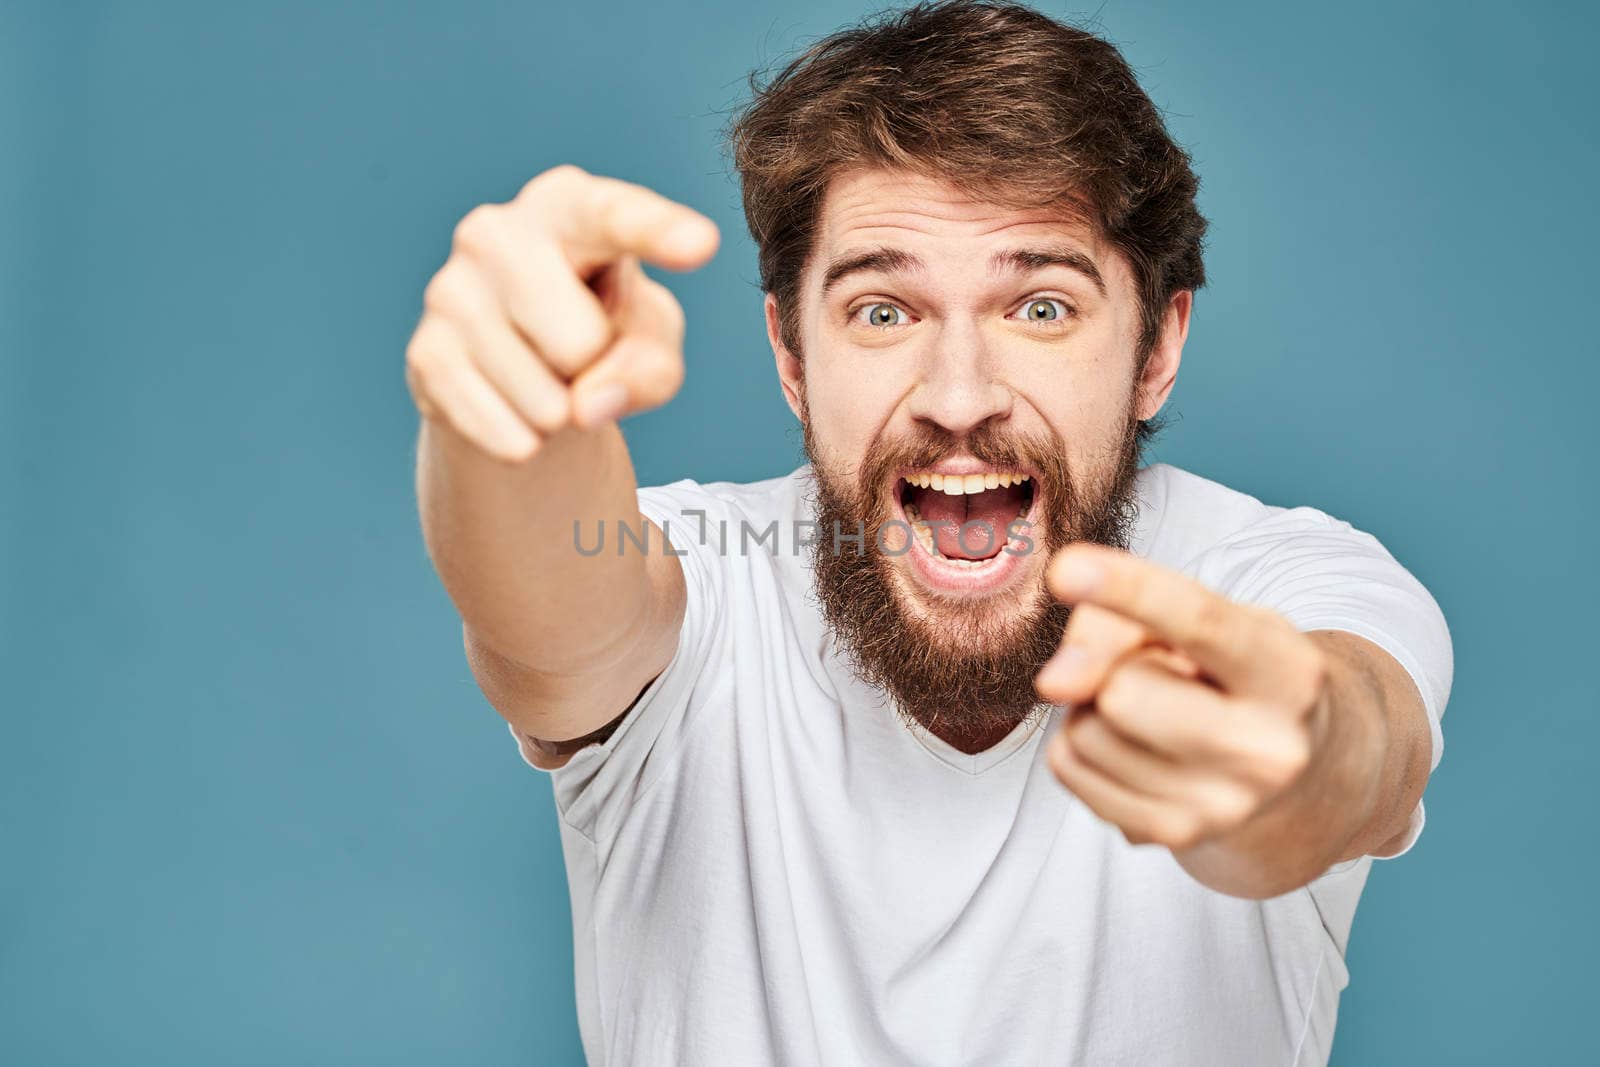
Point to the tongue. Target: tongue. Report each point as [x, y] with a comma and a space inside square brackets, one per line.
[993, 509]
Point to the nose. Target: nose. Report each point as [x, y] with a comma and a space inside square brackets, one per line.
[956, 389]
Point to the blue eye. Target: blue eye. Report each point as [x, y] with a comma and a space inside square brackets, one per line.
[883, 315]
[1045, 309]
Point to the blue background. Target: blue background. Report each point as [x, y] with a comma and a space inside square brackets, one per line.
[253, 809]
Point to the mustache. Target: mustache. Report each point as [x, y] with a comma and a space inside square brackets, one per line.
[926, 445]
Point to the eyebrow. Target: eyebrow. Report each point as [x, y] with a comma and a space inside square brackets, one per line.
[1012, 260]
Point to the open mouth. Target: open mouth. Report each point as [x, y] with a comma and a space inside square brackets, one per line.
[967, 520]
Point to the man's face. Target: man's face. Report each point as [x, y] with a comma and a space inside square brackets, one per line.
[990, 353]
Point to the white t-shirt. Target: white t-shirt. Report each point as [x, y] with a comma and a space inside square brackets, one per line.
[768, 867]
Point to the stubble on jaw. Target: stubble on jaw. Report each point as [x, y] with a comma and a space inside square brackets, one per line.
[962, 670]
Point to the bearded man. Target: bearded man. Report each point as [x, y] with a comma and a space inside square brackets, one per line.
[974, 740]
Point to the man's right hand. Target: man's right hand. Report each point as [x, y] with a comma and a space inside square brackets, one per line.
[542, 317]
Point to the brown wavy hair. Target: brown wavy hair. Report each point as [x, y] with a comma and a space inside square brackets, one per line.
[1005, 103]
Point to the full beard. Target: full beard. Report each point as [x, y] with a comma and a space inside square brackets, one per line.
[961, 669]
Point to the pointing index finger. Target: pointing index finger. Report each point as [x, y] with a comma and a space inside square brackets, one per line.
[1227, 640]
[608, 218]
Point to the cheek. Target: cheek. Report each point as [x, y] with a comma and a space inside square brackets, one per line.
[842, 421]
[846, 403]
[1083, 396]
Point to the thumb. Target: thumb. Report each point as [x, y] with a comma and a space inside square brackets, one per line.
[1095, 639]
[643, 367]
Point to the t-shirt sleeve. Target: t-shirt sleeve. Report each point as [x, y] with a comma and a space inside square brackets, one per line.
[595, 785]
[1323, 574]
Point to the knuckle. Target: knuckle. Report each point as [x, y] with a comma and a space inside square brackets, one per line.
[446, 294]
[444, 386]
[425, 360]
[1287, 761]
[1118, 694]
[570, 340]
[1074, 730]
[1093, 737]
[1056, 756]
[670, 310]
[478, 230]
[420, 357]
[610, 213]
[1313, 673]
[470, 424]
[1178, 829]
[421, 377]
[417, 385]
[661, 384]
[520, 451]
[1232, 806]
[549, 410]
[1077, 618]
[1259, 615]
[671, 374]
[1213, 614]
[562, 174]
[465, 428]
[1296, 756]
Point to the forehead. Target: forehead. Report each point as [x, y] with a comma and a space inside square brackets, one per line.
[869, 206]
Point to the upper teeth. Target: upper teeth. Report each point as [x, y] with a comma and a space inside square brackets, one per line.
[957, 484]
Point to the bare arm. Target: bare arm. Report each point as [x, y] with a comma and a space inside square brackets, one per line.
[559, 642]
[538, 332]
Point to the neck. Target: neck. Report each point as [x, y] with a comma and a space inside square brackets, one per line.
[970, 736]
